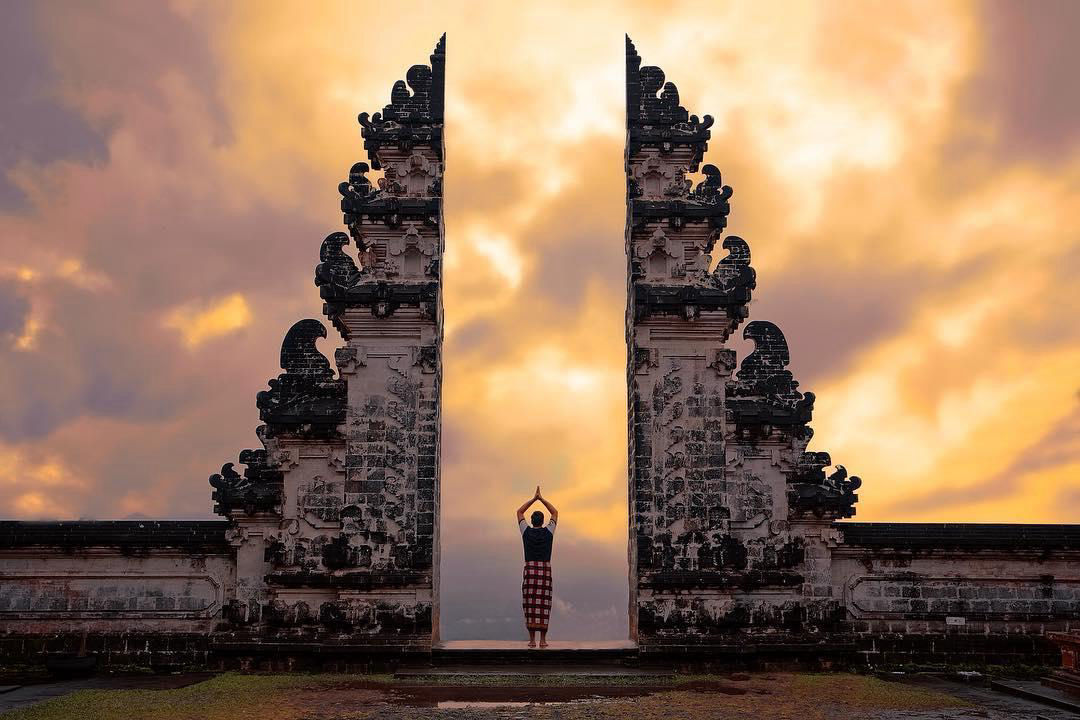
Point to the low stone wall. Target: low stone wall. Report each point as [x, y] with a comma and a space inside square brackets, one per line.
[133, 592]
[957, 593]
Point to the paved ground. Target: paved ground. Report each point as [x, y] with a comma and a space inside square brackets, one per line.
[336, 697]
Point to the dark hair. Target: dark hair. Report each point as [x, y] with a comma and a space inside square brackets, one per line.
[537, 518]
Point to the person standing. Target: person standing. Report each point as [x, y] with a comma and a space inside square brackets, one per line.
[536, 578]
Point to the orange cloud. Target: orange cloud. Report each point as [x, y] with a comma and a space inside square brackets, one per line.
[203, 322]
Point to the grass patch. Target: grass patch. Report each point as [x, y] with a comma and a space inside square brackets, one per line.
[862, 691]
[226, 697]
[754, 696]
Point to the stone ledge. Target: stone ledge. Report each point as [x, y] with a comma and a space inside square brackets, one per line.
[960, 536]
[191, 536]
[350, 581]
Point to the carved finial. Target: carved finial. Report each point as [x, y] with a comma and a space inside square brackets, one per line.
[306, 398]
[654, 115]
[811, 494]
[738, 251]
[438, 80]
[733, 273]
[712, 189]
[299, 356]
[337, 272]
[357, 187]
[411, 100]
[258, 490]
[765, 396]
[227, 478]
[770, 355]
[415, 113]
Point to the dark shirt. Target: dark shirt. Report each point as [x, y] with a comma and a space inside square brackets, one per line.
[537, 541]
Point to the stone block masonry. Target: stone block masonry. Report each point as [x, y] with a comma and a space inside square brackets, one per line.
[730, 516]
[344, 550]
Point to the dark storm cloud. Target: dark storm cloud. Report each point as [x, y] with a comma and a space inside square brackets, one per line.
[477, 335]
[35, 125]
[118, 47]
[108, 390]
[1026, 83]
[588, 252]
[14, 309]
[96, 359]
[828, 313]
[108, 353]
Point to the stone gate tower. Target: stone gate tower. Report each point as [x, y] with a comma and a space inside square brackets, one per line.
[337, 518]
[728, 513]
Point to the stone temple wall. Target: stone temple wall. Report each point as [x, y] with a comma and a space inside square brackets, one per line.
[136, 592]
[737, 545]
[957, 593]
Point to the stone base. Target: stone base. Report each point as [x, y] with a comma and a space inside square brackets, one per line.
[251, 652]
[1067, 682]
[23, 654]
[895, 650]
[343, 656]
[157, 652]
[752, 656]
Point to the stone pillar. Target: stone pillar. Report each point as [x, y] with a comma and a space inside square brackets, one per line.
[336, 519]
[390, 315]
[730, 523]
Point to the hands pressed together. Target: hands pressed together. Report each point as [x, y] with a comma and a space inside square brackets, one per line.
[537, 497]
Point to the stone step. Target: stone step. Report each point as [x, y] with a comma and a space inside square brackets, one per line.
[1033, 690]
[1067, 682]
[517, 654]
[531, 674]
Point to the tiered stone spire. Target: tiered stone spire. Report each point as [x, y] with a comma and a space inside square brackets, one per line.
[719, 475]
[336, 519]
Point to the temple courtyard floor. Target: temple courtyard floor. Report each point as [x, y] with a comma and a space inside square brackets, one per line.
[553, 694]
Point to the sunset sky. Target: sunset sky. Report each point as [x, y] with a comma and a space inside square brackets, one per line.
[907, 176]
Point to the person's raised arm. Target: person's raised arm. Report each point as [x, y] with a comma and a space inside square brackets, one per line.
[550, 508]
[521, 510]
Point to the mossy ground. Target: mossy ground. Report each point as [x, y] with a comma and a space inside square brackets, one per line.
[349, 697]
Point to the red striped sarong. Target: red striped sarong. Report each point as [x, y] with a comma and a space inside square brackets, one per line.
[536, 594]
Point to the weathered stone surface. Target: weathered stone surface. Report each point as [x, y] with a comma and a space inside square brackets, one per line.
[113, 576]
[713, 554]
[336, 519]
[306, 399]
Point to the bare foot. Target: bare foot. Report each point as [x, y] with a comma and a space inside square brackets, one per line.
[543, 643]
[532, 644]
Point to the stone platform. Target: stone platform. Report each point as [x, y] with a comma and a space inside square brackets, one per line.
[494, 653]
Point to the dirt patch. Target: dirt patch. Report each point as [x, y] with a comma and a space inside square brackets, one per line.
[336, 697]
